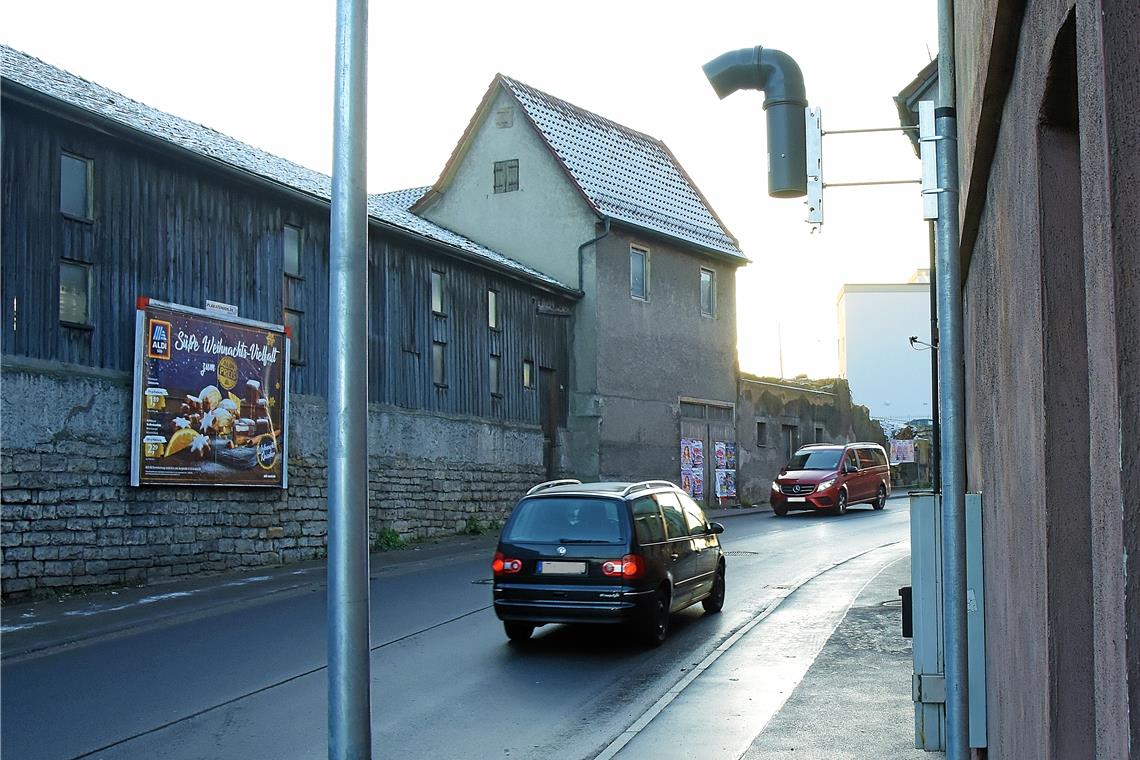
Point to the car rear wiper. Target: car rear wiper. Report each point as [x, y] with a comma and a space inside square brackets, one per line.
[584, 541]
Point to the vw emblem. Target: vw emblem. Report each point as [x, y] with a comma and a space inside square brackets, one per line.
[561, 550]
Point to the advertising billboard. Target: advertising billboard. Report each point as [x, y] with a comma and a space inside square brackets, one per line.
[209, 402]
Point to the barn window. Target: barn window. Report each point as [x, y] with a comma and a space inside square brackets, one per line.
[74, 293]
[493, 309]
[75, 186]
[495, 376]
[438, 368]
[296, 345]
[293, 241]
[437, 304]
[528, 374]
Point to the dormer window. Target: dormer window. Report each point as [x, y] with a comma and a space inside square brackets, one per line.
[507, 176]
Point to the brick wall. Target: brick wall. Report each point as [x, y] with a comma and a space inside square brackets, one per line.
[69, 519]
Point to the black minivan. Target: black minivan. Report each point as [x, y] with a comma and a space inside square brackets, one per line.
[631, 553]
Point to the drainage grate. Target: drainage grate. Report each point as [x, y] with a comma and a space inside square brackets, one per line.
[484, 581]
[740, 553]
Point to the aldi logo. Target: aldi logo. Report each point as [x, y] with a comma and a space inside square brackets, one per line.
[158, 339]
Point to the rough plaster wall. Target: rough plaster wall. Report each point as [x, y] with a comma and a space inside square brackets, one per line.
[542, 223]
[651, 353]
[68, 518]
[1111, 141]
[1121, 30]
[1004, 368]
[1004, 409]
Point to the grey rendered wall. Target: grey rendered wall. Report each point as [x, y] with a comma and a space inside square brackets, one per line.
[650, 353]
[69, 519]
[779, 404]
[542, 223]
[1045, 586]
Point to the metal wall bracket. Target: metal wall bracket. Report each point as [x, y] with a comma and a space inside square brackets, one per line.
[926, 151]
[928, 688]
[814, 145]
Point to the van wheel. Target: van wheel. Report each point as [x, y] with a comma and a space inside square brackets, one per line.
[780, 511]
[656, 625]
[840, 507]
[715, 600]
[880, 498]
[518, 631]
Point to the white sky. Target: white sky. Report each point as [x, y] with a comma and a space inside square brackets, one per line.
[262, 71]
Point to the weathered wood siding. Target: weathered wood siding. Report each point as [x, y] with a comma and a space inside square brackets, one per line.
[177, 230]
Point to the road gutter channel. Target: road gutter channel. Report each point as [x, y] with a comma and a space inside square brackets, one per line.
[625, 737]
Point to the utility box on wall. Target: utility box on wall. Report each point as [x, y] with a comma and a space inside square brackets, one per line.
[929, 680]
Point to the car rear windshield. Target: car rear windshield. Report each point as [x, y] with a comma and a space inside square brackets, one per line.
[567, 520]
[822, 459]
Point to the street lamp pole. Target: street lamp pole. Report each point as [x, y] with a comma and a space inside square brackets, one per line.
[349, 677]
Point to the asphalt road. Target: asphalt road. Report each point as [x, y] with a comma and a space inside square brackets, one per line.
[204, 675]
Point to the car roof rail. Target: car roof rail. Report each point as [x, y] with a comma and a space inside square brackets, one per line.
[644, 484]
[552, 483]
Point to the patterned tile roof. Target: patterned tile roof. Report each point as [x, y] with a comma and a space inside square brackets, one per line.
[207, 143]
[626, 175]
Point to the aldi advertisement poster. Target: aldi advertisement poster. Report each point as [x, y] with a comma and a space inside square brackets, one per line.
[209, 399]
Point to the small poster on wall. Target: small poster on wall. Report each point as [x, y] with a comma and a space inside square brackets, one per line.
[725, 483]
[725, 459]
[693, 467]
[698, 491]
[209, 399]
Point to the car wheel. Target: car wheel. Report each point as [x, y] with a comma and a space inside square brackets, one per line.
[840, 504]
[880, 498]
[518, 631]
[780, 511]
[656, 625]
[715, 601]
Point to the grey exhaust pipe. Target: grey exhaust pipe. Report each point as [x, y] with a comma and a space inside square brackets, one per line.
[778, 76]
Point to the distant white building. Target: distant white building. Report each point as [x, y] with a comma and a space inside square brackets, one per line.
[886, 374]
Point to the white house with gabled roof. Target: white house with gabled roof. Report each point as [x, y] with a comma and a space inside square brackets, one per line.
[610, 210]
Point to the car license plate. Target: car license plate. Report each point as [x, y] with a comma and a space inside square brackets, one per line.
[562, 568]
[799, 499]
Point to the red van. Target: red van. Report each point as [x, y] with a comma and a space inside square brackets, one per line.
[831, 477]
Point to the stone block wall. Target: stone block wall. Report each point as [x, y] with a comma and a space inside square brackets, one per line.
[69, 520]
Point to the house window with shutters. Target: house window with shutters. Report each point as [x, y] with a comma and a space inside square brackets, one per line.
[507, 176]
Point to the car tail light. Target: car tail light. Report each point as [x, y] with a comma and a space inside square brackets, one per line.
[629, 566]
[502, 565]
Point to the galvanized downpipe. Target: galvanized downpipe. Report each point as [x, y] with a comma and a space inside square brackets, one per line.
[952, 397]
[785, 98]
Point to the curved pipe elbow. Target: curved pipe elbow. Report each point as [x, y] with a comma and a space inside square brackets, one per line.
[773, 72]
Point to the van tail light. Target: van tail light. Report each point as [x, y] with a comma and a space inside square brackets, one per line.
[629, 566]
[502, 565]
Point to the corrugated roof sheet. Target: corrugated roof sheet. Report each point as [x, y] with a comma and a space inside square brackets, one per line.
[208, 143]
[624, 174]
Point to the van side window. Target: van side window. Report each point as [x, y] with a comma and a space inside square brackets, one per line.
[675, 526]
[881, 458]
[694, 517]
[849, 458]
[647, 521]
[866, 458]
